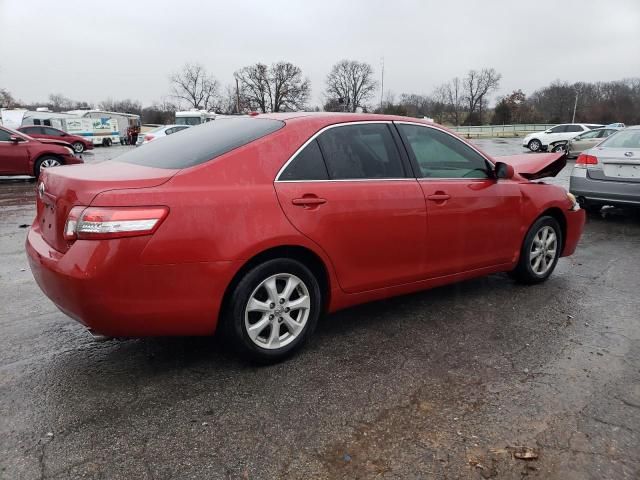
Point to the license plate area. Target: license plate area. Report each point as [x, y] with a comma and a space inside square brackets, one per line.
[622, 171]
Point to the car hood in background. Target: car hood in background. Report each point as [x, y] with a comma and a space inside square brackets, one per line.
[51, 141]
[536, 165]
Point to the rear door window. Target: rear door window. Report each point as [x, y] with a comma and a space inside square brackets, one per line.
[361, 151]
[574, 128]
[52, 132]
[308, 164]
[200, 144]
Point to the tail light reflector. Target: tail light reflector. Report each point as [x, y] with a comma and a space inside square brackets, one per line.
[148, 138]
[586, 160]
[112, 222]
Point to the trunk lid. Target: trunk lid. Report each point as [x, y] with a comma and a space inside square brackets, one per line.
[62, 188]
[619, 164]
[533, 166]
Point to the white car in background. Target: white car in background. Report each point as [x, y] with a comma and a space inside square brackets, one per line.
[159, 132]
[540, 141]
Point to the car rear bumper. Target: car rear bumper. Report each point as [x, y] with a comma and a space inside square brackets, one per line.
[102, 285]
[603, 191]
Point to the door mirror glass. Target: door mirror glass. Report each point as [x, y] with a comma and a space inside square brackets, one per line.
[504, 170]
[15, 139]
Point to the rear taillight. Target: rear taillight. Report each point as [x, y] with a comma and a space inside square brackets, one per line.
[112, 222]
[148, 138]
[586, 160]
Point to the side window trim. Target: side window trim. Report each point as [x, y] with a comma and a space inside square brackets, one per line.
[408, 174]
[414, 161]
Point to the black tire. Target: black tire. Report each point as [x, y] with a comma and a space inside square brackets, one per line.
[524, 272]
[45, 160]
[234, 327]
[592, 207]
[534, 145]
[78, 147]
[559, 148]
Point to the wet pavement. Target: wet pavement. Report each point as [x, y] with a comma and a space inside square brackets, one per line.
[456, 382]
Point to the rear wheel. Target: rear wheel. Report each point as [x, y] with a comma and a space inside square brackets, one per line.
[535, 145]
[78, 147]
[540, 251]
[273, 310]
[561, 147]
[47, 161]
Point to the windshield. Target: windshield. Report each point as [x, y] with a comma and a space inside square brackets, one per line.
[18, 134]
[202, 143]
[188, 120]
[623, 139]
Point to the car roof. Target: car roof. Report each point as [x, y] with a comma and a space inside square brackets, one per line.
[329, 118]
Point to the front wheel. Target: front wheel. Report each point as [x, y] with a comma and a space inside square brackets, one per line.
[78, 147]
[540, 251]
[535, 145]
[46, 162]
[273, 310]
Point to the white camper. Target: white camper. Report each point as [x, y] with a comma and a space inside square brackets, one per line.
[194, 117]
[124, 121]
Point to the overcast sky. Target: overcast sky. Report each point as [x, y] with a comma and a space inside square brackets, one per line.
[127, 49]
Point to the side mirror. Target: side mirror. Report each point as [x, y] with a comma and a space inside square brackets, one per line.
[503, 170]
[15, 139]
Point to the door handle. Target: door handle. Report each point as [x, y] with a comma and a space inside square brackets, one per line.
[439, 197]
[308, 202]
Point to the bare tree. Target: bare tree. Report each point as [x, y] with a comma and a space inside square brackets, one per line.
[451, 96]
[123, 106]
[6, 99]
[477, 84]
[277, 88]
[351, 83]
[195, 86]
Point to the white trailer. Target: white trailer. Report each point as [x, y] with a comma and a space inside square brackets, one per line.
[124, 121]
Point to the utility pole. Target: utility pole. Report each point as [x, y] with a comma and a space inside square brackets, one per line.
[382, 83]
[575, 105]
[237, 96]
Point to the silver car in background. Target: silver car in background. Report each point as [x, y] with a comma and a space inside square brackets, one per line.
[609, 174]
[587, 140]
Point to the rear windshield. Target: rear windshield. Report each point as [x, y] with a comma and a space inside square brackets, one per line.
[199, 144]
[623, 139]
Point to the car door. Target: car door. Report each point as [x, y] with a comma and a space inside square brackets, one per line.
[473, 218]
[586, 140]
[350, 190]
[14, 156]
[555, 133]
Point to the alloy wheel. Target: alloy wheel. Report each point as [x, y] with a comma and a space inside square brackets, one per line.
[277, 311]
[543, 250]
[50, 162]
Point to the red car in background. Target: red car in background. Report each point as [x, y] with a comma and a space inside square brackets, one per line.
[258, 225]
[78, 143]
[21, 154]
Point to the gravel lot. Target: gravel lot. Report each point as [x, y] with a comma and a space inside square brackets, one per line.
[447, 383]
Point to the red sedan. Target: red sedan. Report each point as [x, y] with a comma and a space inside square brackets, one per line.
[78, 143]
[21, 154]
[258, 225]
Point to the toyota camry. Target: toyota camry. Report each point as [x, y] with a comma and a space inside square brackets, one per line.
[256, 226]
